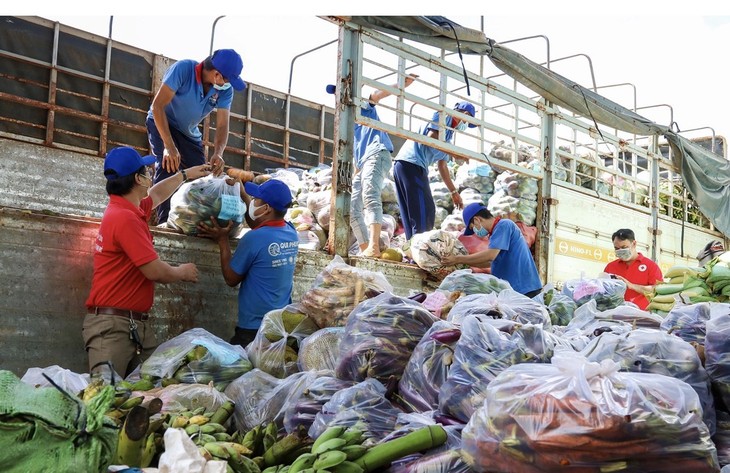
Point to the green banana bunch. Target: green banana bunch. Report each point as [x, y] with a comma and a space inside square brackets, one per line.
[333, 451]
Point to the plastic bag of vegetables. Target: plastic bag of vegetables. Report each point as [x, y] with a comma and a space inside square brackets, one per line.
[275, 349]
[442, 196]
[187, 397]
[441, 215]
[560, 306]
[304, 407]
[517, 185]
[210, 196]
[337, 289]
[428, 367]
[482, 352]
[689, 322]
[380, 336]
[320, 350]
[651, 351]
[468, 282]
[576, 415]
[261, 398]
[428, 248]
[475, 175]
[470, 196]
[452, 223]
[319, 204]
[197, 356]
[501, 204]
[587, 324]
[288, 177]
[717, 355]
[608, 293]
[364, 406]
[507, 304]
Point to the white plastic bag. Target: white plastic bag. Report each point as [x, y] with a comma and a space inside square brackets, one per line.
[209, 196]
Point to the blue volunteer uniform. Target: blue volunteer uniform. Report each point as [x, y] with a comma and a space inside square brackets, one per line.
[267, 257]
[514, 262]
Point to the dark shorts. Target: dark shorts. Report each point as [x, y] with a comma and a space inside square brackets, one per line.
[243, 337]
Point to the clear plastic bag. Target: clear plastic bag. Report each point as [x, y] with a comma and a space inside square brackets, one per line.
[560, 306]
[475, 175]
[651, 351]
[388, 193]
[210, 196]
[441, 195]
[288, 177]
[302, 409]
[380, 336]
[321, 350]
[689, 322]
[337, 289]
[468, 282]
[261, 398]
[587, 322]
[483, 352]
[575, 415]
[363, 405]
[187, 397]
[197, 356]
[507, 304]
[452, 223]
[428, 367]
[65, 379]
[275, 349]
[319, 204]
[441, 215]
[608, 293]
[428, 248]
[717, 355]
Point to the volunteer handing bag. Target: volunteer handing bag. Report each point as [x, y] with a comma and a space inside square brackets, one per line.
[209, 196]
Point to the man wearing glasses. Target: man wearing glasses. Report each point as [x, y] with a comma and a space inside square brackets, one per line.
[126, 265]
[190, 90]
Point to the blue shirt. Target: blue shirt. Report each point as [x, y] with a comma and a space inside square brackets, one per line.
[514, 262]
[190, 105]
[266, 258]
[368, 141]
[422, 155]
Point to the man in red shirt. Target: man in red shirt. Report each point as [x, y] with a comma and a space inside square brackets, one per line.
[638, 272]
[126, 265]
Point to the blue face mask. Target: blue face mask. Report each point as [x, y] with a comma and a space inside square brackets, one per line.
[481, 232]
[461, 126]
[225, 86]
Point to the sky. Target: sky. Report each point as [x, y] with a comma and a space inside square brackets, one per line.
[671, 53]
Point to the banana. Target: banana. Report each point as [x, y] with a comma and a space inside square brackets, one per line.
[199, 411]
[198, 420]
[205, 454]
[149, 451]
[223, 437]
[241, 463]
[192, 429]
[329, 433]
[179, 422]
[132, 402]
[353, 436]
[272, 469]
[168, 381]
[143, 385]
[303, 462]
[329, 445]
[217, 450]
[329, 459]
[354, 452]
[236, 447]
[346, 467]
[202, 439]
[121, 396]
[270, 434]
[212, 428]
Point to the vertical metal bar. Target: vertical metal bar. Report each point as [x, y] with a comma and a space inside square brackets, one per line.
[401, 101]
[104, 132]
[287, 131]
[655, 199]
[349, 54]
[322, 143]
[249, 126]
[544, 244]
[52, 83]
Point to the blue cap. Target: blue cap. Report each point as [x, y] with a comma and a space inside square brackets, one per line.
[124, 161]
[331, 88]
[468, 213]
[274, 192]
[468, 109]
[229, 64]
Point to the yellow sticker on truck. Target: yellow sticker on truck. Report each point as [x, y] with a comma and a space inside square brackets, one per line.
[577, 249]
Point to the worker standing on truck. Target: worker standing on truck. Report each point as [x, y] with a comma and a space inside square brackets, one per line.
[710, 251]
[638, 272]
[508, 253]
[372, 158]
[410, 172]
[190, 91]
[126, 265]
[265, 259]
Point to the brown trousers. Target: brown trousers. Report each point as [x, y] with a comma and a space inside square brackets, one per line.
[106, 338]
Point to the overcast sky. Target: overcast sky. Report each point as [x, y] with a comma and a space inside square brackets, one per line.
[671, 54]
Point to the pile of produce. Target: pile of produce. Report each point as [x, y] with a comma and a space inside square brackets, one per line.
[210, 196]
[442, 196]
[482, 352]
[196, 356]
[608, 293]
[477, 176]
[337, 290]
[688, 285]
[467, 282]
[428, 248]
[305, 405]
[275, 349]
[321, 350]
[575, 415]
[560, 307]
[507, 304]
[380, 336]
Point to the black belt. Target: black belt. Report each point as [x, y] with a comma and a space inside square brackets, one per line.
[120, 312]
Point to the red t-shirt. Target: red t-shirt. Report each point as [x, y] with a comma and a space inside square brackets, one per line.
[642, 271]
[124, 243]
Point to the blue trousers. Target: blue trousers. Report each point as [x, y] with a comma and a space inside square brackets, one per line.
[191, 154]
[417, 208]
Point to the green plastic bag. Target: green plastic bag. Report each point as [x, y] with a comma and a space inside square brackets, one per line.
[46, 429]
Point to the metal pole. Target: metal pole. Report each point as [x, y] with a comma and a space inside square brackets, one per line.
[212, 34]
[111, 23]
[291, 68]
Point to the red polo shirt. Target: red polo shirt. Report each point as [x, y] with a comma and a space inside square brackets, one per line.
[642, 271]
[124, 243]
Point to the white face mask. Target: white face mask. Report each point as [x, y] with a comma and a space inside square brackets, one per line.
[252, 208]
[225, 86]
[461, 126]
[624, 254]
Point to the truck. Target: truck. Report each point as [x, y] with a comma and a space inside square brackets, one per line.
[68, 96]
